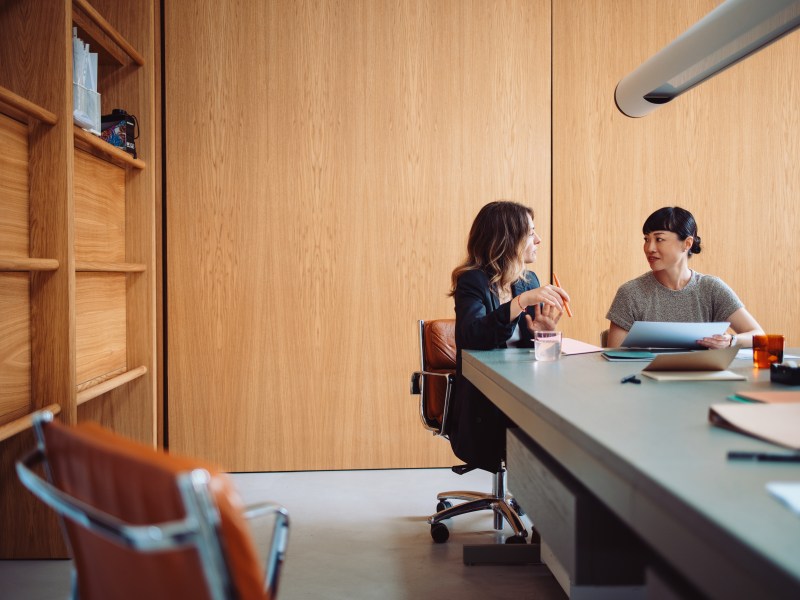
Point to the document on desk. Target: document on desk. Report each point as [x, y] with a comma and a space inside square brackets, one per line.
[657, 334]
[776, 423]
[703, 365]
[572, 346]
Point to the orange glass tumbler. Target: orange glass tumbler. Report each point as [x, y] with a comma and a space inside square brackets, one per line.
[767, 349]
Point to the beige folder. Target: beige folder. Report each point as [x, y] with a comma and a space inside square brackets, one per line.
[702, 365]
[776, 423]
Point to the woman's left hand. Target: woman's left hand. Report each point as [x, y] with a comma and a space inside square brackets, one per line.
[545, 318]
[716, 341]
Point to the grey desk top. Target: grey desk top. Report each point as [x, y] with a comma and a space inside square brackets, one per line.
[649, 453]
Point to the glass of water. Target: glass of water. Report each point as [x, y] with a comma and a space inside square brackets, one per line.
[548, 345]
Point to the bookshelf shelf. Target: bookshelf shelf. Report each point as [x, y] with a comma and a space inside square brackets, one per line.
[92, 143]
[96, 19]
[26, 422]
[11, 263]
[109, 267]
[23, 109]
[98, 389]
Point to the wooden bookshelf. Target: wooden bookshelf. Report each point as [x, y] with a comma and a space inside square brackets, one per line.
[77, 241]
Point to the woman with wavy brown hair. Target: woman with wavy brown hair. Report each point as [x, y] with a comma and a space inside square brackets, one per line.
[498, 304]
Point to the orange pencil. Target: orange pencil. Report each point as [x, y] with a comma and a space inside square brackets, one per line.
[566, 304]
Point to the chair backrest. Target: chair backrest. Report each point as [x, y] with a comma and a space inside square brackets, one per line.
[438, 363]
[117, 494]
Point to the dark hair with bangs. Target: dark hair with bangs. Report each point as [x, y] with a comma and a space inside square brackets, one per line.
[677, 220]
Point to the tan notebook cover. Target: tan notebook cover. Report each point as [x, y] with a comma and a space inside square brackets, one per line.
[694, 375]
[770, 397]
[776, 423]
[702, 360]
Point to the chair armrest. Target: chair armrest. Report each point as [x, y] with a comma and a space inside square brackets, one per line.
[417, 388]
[277, 547]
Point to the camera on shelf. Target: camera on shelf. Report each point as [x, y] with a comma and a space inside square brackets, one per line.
[120, 129]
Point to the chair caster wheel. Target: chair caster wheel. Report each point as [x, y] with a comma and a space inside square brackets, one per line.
[439, 533]
[515, 539]
[517, 508]
[443, 504]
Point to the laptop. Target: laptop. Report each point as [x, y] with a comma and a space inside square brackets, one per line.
[664, 334]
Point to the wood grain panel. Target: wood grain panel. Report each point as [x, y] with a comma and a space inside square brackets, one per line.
[100, 325]
[99, 210]
[13, 188]
[728, 151]
[35, 54]
[317, 200]
[15, 349]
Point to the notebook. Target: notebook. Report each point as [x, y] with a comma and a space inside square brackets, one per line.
[776, 423]
[661, 334]
[703, 365]
[628, 355]
[768, 397]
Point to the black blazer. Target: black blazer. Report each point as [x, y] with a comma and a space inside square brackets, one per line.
[477, 428]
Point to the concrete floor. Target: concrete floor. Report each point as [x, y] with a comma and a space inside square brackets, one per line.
[354, 535]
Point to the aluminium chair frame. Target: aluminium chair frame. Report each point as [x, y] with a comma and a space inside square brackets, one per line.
[199, 529]
[499, 502]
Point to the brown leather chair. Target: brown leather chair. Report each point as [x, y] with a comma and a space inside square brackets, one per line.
[434, 383]
[142, 524]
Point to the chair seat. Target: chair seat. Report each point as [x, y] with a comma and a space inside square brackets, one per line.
[144, 524]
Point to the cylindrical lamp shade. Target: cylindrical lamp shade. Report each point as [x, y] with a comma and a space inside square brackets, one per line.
[726, 35]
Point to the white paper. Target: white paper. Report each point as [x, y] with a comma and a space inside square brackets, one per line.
[571, 346]
[787, 492]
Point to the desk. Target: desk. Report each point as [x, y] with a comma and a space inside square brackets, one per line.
[648, 453]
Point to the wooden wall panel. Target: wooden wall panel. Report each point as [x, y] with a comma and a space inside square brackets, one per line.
[15, 352]
[99, 326]
[99, 209]
[729, 151]
[15, 325]
[14, 208]
[324, 163]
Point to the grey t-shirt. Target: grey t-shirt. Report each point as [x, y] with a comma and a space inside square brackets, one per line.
[705, 299]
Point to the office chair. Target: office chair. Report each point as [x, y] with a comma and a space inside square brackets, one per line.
[144, 524]
[434, 384]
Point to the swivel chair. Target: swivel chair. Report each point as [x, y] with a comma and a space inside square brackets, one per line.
[143, 524]
[434, 383]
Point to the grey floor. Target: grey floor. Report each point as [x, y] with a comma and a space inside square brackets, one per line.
[354, 534]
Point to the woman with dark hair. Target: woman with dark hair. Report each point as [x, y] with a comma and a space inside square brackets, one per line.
[671, 291]
[493, 291]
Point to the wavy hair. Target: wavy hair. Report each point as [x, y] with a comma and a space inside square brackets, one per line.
[496, 244]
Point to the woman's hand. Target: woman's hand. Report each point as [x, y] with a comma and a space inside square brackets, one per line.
[546, 318]
[717, 341]
[549, 295]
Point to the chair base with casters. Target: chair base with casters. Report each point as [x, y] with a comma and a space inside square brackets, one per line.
[504, 507]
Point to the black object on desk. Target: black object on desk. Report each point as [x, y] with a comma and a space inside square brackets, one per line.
[764, 456]
[779, 373]
[630, 379]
